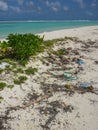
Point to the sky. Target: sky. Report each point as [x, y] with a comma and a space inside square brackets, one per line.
[48, 10]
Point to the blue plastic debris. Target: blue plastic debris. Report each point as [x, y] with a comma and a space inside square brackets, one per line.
[85, 85]
[80, 62]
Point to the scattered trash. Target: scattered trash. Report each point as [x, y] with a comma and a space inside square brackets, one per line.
[57, 75]
[80, 62]
[52, 110]
[85, 85]
[53, 73]
[96, 62]
[3, 65]
[69, 76]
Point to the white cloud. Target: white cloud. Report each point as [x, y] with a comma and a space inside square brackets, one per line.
[47, 3]
[15, 9]
[65, 8]
[81, 3]
[30, 4]
[3, 6]
[52, 3]
[55, 6]
[93, 4]
[39, 8]
[20, 2]
[89, 13]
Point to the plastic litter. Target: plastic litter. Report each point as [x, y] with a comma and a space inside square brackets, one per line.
[53, 73]
[3, 65]
[80, 62]
[85, 85]
[56, 74]
[69, 76]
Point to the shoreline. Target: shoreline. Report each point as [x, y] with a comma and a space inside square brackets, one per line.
[61, 33]
[71, 32]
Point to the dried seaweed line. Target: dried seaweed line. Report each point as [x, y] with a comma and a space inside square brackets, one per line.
[46, 126]
[30, 103]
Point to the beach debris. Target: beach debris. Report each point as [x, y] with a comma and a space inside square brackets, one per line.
[4, 117]
[52, 109]
[70, 76]
[3, 65]
[76, 52]
[67, 75]
[65, 64]
[51, 118]
[80, 62]
[86, 85]
[96, 62]
[56, 74]
[57, 88]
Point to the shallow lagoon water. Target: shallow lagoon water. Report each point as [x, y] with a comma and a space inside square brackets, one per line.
[8, 27]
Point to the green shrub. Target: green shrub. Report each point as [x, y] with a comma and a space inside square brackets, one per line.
[20, 80]
[60, 52]
[1, 98]
[10, 86]
[24, 45]
[1, 70]
[5, 49]
[49, 43]
[31, 70]
[2, 85]
[17, 81]
[8, 68]
[18, 70]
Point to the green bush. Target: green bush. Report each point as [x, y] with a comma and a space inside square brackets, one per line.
[18, 70]
[1, 70]
[31, 70]
[10, 86]
[1, 98]
[2, 85]
[4, 48]
[49, 43]
[60, 52]
[24, 45]
[20, 80]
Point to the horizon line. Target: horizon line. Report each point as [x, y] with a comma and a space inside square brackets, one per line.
[43, 20]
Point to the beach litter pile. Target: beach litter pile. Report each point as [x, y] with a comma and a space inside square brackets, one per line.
[46, 105]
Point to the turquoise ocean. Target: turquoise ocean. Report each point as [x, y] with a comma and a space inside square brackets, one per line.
[36, 27]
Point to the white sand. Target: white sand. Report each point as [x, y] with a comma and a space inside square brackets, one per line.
[84, 116]
[84, 33]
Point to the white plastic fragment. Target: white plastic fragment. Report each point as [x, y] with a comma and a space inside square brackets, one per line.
[3, 65]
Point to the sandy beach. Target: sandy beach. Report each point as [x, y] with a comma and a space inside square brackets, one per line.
[63, 94]
[84, 33]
